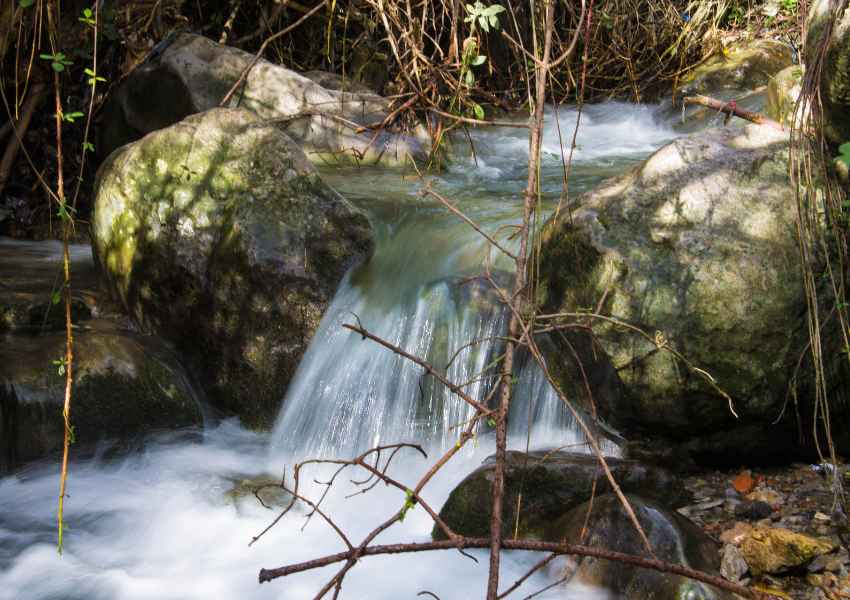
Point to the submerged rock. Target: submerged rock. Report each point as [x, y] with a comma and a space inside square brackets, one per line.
[547, 485]
[191, 73]
[825, 19]
[696, 247]
[218, 234]
[672, 537]
[125, 386]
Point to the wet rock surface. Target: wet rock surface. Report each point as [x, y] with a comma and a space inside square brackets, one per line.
[548, 484]
[603, 522]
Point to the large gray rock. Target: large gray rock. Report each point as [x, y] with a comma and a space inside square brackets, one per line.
[125, 386]
[824, 20]
[549, 485]
[672, 538]
[697, 248]
[218, 234]
[191, 74]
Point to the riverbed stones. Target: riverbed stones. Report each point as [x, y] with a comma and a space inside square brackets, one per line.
[218, 234]
[834, 41]
[189, 73]
[604, 523]
[547, 485]
[125, 386]
[775, 549]
[696, 249]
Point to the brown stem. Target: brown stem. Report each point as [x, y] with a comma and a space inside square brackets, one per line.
[558, 548]
[731, 108]
[19, 129]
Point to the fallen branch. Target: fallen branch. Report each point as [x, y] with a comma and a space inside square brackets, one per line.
[532, 545]
[19, 129]
[731, 108]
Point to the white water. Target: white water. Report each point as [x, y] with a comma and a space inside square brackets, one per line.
[157, 525]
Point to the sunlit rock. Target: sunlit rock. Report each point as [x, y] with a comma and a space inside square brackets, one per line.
[218, 234]
[191, 73]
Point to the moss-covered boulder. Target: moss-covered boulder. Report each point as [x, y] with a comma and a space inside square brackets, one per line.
[696, 248]
[218, 234]
[828, 31]
[125, 386]
[190, 73]
[548, 485]
[782, 93]
[603, 523]
[739, 67]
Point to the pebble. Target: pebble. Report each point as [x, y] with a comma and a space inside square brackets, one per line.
[753, 510]
[732, 564]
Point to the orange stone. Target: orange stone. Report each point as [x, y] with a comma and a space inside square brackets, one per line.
[744, 482]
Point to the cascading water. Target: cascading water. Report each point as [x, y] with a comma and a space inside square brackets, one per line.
[157, 524]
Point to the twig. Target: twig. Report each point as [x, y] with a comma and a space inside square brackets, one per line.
[731, 108]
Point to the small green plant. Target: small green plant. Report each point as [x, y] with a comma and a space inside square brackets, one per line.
[58, 61]
[88, 17]
[94, 78]
[844, 153]
[409, 502]
[60, 365]
[789, 6]
[484, 16]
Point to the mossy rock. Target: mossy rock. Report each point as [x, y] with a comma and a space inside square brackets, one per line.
[782, 93]
[835, 77]
[775, 550]
[125, 386]
[696, 247]
[218, 234]
[190, 74]
[548, 485]
[604, 523]
[737, 68]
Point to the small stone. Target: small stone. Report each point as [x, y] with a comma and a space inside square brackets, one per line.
[826, 562]
[744, 482]
[732, 564]
[753, 510]
[819, 516]
[767, 495]
[736, 534]
[773, 549]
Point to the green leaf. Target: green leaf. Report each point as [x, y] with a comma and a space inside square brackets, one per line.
[469, 78]
[484, 25]
[58, 67]
[495, 9]
[55, 297]
[478, 60]
[491, 422]
[479, 111]
[494, 22]
[87, 13]
[25, 3]
[88, 147]
[844, 153]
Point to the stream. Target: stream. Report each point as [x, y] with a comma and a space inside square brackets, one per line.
[158, 523]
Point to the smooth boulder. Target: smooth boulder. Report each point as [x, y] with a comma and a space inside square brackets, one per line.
[189, 73]
[126, 386]
[549, 484]
[218, 234]
[828, 31]
[604, 523]
[696, 248]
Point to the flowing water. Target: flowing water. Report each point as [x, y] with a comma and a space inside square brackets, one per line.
[159, 524]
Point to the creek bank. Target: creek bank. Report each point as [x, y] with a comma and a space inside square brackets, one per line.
[189, 74]
[777, 528]
[218, 234]
[696, 248]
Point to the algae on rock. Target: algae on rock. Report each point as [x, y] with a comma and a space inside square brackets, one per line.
[219, 234]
